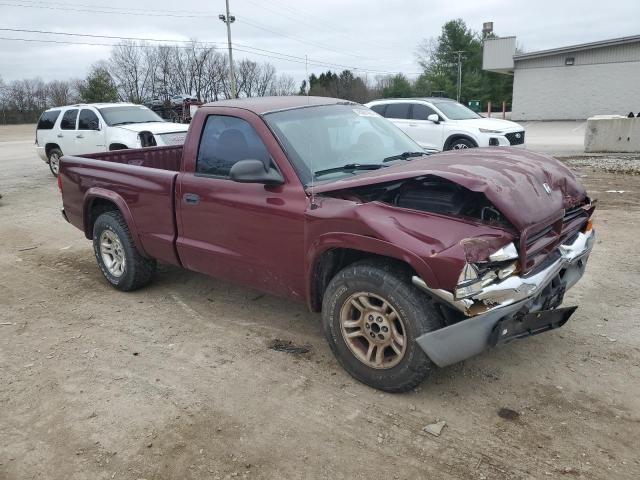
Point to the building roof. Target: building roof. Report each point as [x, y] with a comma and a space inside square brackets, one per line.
[583, 46]
[262, 105]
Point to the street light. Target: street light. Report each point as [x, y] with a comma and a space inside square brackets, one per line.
[228, 20]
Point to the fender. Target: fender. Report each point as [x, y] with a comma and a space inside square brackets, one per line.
[362, 243]
[119, 135]
[97, 192]
[459, 134]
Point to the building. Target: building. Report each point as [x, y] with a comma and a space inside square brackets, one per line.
[569, 83]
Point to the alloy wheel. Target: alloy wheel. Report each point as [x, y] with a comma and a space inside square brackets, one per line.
[373, 330]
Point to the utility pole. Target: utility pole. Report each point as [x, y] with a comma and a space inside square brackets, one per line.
[229, 19]
[459, 52]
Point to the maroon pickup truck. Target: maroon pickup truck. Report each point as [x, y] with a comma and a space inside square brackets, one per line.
[413, 260]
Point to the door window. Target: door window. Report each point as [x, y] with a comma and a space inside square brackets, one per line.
[68, 121]
[88, 120]
[397, 110]
[379, 109]
[48, 120]
[421, 112]
[225, 141]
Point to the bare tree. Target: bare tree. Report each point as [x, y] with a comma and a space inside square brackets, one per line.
[283, 85]
[60, 93]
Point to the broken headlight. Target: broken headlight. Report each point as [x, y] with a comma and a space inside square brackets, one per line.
[508, 252]
[474, 277]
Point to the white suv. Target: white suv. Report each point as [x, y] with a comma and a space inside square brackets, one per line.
[98, 127]
[443, 124]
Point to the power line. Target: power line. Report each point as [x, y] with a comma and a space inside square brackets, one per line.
[276, 55]
[318, 45]
[301, 18]
[113, 37]
[118, 11]
[205, 45]
[87, 10]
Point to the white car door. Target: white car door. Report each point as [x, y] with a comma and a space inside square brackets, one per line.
[398, 113]
[66, 135]
[427, 133]
[89, 136]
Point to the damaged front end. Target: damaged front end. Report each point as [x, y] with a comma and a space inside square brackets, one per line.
[501, 304]
[503, 235]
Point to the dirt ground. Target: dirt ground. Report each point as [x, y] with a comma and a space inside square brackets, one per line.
[176, 381]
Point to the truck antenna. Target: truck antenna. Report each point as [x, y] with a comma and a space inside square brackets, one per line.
[313, 205]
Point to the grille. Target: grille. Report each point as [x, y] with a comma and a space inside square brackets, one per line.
[174, 138]
[540, 244]
[515, 138]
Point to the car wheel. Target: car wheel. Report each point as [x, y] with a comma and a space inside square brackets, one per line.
[54, 161]
[117, 256]
[372, 315]
[460, 144]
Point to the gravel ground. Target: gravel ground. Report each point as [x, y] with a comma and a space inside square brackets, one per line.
[620, 163]
[178, 380]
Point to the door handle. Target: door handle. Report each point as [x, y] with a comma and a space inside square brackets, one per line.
[413, 124]
[60, 135]
[191, 198]
[80, 136]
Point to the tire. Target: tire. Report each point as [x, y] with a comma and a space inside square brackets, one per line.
[460, 144]
[414, 316]
[54, 161]
[123, 267]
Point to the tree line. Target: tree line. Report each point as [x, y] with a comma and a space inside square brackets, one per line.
[138, 72]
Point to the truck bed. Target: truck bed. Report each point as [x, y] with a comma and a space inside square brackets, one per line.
[163, 158]
[140, 182]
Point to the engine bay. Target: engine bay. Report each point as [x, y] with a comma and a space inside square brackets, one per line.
[430, 194]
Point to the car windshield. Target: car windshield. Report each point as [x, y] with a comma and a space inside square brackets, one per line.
[128, 114]
[332, 141]
[456, 111]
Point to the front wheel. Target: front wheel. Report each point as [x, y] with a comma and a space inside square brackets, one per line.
[461, 144]
[54, 161]
[117, 256]
[372, 315]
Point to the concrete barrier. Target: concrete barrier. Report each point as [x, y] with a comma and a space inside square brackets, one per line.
[612, 133]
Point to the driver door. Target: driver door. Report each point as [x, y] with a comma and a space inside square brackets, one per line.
[427, 133]
[249, 233]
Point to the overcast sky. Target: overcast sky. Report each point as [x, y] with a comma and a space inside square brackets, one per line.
[365, 34]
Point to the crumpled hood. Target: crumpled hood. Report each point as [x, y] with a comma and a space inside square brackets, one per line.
[155, 127]
[512, 179]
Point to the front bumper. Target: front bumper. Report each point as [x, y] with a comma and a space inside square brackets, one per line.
[507, 301]
[42, 153]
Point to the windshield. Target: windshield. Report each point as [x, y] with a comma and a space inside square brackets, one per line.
[456, 111]
[332, 141]
[128, 114]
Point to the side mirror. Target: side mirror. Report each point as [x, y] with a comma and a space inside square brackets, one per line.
[434, 118]
[254, 171]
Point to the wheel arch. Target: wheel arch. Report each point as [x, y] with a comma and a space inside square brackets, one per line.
[332, 253]
[50, 146]
[457, 136]
[98, 201]
[117, 146]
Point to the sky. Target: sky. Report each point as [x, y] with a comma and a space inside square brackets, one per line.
[370, 37]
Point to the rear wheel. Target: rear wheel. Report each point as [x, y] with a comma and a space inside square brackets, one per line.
[117, 256]
[54, 161]
[372, 315]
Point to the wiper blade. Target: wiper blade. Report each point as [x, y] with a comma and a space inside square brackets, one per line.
[122, 123]
[351, 167]
[404, 156]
